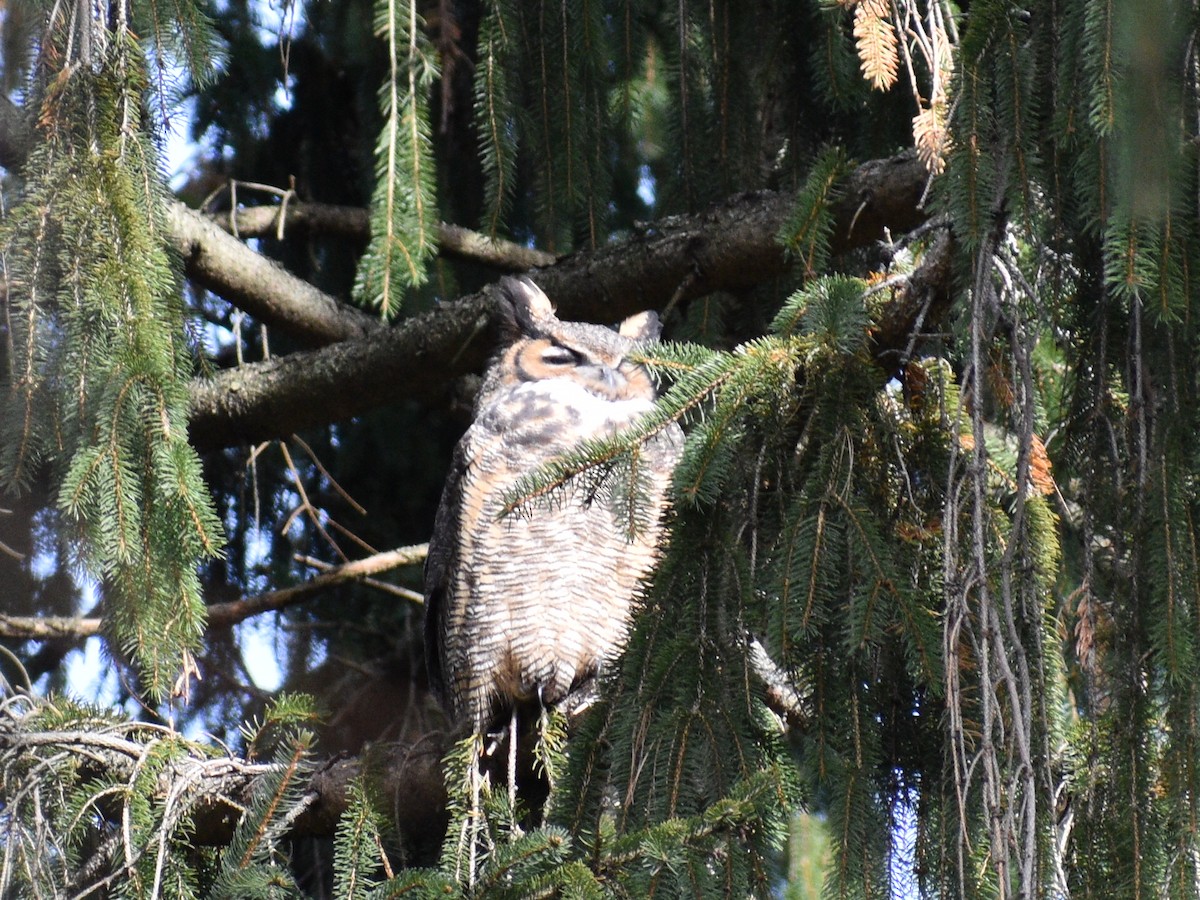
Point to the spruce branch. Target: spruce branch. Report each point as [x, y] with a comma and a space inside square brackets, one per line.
[495, 107]
[732, 246]
[783, 696]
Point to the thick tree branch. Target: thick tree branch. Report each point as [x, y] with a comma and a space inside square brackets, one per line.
[49, 628]
[463, 243]
[731, 247]
[415, 358]
[227, 267]
[223, 264]
[227, 614]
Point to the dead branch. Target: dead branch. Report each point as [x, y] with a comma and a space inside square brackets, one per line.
[354, 223]
[222, 615]
[205, 794]
[227, 614]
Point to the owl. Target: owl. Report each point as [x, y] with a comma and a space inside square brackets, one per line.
[529, 606]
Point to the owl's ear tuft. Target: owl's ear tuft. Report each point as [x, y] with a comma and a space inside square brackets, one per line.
[529, 304]
[644, 326]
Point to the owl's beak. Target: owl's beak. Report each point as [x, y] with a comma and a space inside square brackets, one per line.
[611, 378]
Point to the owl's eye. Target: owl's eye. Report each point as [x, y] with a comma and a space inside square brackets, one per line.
[555, 355]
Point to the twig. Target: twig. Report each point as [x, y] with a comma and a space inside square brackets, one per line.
[4, 548]
[358, 507]
[305, 505]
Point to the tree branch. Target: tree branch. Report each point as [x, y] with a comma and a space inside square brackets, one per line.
[227, 614]
[48, 628]
[353, 222]
[783, 697]
[223, 615]
[224, 265]
[731, 247]
[250, 281]
[473, 246]
[206, 794]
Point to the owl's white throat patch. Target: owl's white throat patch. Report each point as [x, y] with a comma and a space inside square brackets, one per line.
[596, 414]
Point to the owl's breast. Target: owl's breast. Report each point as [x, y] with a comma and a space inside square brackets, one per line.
[541, 598]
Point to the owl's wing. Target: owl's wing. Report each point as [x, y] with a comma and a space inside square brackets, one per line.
[439, 564]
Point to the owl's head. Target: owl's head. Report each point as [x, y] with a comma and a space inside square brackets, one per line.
[541, 347]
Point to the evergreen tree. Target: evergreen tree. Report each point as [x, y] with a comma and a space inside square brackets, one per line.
[932, 579]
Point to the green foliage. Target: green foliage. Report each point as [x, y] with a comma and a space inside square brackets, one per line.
[356, 847]
[252, 865]
[808, 230]
[100, 366]
[284, 715]
[568, 138]
[404, 205]
[116, 800]
[834, 66]
[683, 854]
[829, 313]
[497, 77]
[181, 32]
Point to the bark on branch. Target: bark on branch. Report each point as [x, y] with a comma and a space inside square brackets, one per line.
[731, 247]
[355, 223]
[224, 265]
[204, 795]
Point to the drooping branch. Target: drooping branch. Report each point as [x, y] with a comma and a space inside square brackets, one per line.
[16, 136]
[227, 614]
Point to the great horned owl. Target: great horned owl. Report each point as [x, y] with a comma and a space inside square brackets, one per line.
[529, 606]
